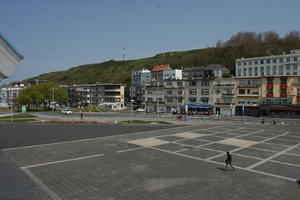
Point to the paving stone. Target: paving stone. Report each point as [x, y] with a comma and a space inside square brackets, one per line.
[171, 147]
[237, 142]
[194, 142]
[200, 153]
[288, 158]
[203, 132]
[279, 169]
[252, 138]
[296, 139]
[170, 138]
[188, 135]
[221, 147]
[148, 142]
[272, 147]
[295, 151]
[284, 142]
[238, 160]
[227, 135]
[255, 153]
[211, 138]
[294, 134]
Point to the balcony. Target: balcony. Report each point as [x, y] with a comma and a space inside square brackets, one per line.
[248, 86]
[269, 95]
[283, 95]
[224, 86]
[269, 86]
[283, 86]
[155, 102]
[296, 84]
[228, 94]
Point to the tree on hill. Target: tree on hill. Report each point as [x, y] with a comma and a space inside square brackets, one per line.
[42, 95]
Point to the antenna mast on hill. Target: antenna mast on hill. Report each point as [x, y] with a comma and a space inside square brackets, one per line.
[124, 53]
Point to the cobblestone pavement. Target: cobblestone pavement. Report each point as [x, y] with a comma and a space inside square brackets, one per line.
[178, 163]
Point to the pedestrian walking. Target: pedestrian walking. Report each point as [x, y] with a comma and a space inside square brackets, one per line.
[228, 161]
[263, 121]
[81, 115]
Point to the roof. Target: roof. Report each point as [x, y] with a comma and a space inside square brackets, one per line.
[11, 46]
[160, 67]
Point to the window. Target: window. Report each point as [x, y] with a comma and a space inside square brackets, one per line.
[283, 81]
[256, 62]
[244, 63]
[238, 63]
[169, 100]
[287, 59]
[250, 71]
[254, 102]
[281, 60]
[255, 82]
[179, 92]
[150, 99]
[192, 99]
[169, 92]
[268, 61]
[270, 91]
[255, 71]
[254, 91]
[179, 84]
[169, 83]
[298, 92]
[239, 72]
[261, 62]
[193, 83]
[262, 71]
[205, 91]
[274, 60]
[270, 81]
[243, 82]
[193, 92]
[283, 91]
[241, 101]
[280, 69]
[268, 71]
[244, 72]
[274, 70]
[205, 83]
[242, 91]
[295, 59]
[250, 62]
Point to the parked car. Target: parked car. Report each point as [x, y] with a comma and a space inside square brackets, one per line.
[66, 111]
[140, 110]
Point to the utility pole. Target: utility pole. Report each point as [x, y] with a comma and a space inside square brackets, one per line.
[53, 99]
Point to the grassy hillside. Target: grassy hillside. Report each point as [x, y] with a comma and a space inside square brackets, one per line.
[243, 44]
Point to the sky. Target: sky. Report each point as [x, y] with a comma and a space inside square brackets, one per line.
[55, 35]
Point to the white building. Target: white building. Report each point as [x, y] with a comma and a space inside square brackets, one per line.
[9, 94]
[275, 65]
[172, 74]
[9, 57]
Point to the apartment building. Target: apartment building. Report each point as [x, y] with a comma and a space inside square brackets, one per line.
[223, 95]
[268, 85]
[106, 95]
[9, 94]
[138, 79]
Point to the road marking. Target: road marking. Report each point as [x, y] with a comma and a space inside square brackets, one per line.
[271, 157]
[219, 163]
[61, 161]
[52, 194]
[132, 149]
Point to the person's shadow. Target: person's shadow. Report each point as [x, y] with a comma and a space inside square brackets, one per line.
[221, 168]
[298, 182]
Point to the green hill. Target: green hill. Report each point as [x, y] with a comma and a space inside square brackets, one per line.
[243, 44]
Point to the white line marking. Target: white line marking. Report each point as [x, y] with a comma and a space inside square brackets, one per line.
[132, 149]
[52, 194]
[61, 161]
[285, 163]
[219, 163]
[271, 157]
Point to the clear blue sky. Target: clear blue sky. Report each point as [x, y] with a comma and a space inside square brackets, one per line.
[55, 35]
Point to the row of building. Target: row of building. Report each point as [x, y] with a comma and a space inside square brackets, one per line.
[263, 86]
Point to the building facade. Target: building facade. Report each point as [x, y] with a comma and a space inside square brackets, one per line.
[9, 94]
[106, 95]
[268, 85]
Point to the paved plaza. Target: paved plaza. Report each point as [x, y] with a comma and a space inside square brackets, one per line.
[185, 162]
